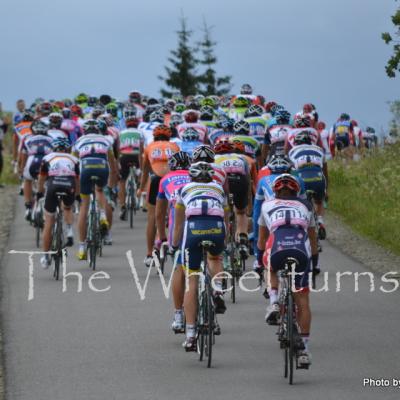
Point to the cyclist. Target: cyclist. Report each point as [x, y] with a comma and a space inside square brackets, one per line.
[96, 158]
[310, 163]
[190, 140]
[33, 148]
[287, 229]
[22, 129]
[60, 171]
[343, 136]
[155, 164]
[170, 185]
[302, 123]
[199, 215]
[191, 118]
[136, 98]
[277, 165]
[239, 106]
[278, 128]
[324, 135]
[156, 118]
[258, 125]
[369, 137]
[207, 117]
[55, 131]
[237, 170]
[130, 150]
[223, 130]
[70, 126]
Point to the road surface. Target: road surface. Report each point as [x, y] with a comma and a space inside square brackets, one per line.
[112, 345]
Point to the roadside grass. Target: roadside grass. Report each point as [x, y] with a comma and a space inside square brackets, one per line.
[8, 177]
[366, 195]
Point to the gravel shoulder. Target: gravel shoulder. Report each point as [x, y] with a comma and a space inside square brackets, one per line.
[8, 197]
[365, 251]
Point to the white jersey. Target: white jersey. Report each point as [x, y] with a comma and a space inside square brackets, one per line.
[307, 156]
[202, 199]
[280, 212]
[60, 164]
[57, 134]
[147, 129]
[325, 139]
[197, 126]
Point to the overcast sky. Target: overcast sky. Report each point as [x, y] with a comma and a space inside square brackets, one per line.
[328, 52]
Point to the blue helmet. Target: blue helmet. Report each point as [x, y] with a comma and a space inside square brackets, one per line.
[282, 117]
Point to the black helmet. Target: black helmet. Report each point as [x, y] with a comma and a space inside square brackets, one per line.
[201, 171]
[90, 126]
[206, 113]
[105, 99]
[246, 89]
[303, 137]
[241, 127]
[179, 160]
[203, 153]
[279, 164]
[38, 127]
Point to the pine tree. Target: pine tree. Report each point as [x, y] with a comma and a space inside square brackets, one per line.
[393, 65]
[209, 82]
[181, 75]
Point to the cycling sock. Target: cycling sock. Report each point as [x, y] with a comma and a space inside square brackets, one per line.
[273, 295]
[190, 331]
[306, 340]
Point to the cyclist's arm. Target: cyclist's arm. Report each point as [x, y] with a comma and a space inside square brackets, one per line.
[113, 170]
[179, 223]
[42, 176]
[145, 174]
[22, 161]
[15, 146]
[325, 171]
[312, 234]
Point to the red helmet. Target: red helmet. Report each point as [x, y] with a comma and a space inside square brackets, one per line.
[308, 108]
[191, 116]
[162, 131]
[223, 147]
[45, 108]
[76, 110]
[132, 122]
[286, 181]
[269, 105]
[239, 147]
[321, 125]
[354, 122]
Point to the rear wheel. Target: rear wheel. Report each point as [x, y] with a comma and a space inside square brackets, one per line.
[291, 352]
[210, 327]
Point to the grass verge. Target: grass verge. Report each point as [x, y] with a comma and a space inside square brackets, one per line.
[366, 196]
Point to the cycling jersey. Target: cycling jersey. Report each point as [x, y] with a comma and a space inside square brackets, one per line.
[237, 113]
[258, 126]
[22, 129]
[315, 138]
[35, 147]
[93, 151]
[130, 140]
[232, 163]
[158, 154]
[343, 131]
[251, 145]
[147, 129]
[218, 134]
[307, 157]
[59, 164]
[57, 134]
[275, 137]
[202, 129]
[73, 129]
[202, 199]
[188, 146]
[168, 190]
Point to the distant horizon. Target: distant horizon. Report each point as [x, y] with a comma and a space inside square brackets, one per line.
[335, 60]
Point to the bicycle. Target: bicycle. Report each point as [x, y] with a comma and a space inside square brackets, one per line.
[131, 200]
[234, 262]
[206, 319]
[288, 331]
[58, 242]
[94, 236]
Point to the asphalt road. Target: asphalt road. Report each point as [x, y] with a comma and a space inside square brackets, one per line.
[113, 345]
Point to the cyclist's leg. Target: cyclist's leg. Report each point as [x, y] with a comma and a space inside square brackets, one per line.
[151, 214]
[82, 218]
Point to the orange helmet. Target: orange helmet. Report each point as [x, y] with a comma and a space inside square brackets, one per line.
[223, 147]
[238, 146]
[162, 131]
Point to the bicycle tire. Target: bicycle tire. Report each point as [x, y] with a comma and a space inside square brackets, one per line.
[290, 322]
[58, 249]
[131, 204]
[201, 330]
[210, 324]
[233, 273]
[38, 231]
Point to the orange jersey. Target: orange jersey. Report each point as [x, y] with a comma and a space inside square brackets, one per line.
[22, 129]
[158, 154]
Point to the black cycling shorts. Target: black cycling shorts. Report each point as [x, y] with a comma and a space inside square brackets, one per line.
[342, 142]
[197, 229]
[239, 187]
[126, 161]
[153, 192]
[65, 185]
[289, 242]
